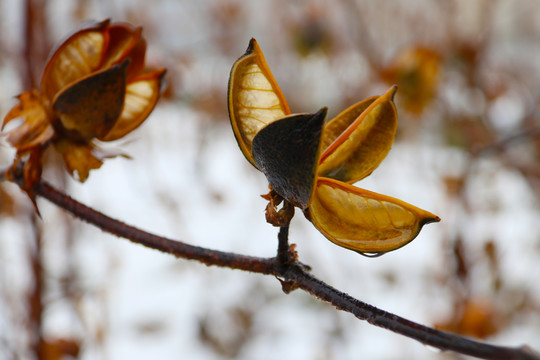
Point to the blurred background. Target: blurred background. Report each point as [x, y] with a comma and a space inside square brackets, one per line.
[467, 149]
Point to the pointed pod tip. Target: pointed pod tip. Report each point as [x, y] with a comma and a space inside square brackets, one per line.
[100, 25]
[161, 76]
[138, 33]
[36, 209]
[430, 219]
[252, 46]
[390, 93]
[124, 64]
[161, 72]
[322, 112]
[317, 119]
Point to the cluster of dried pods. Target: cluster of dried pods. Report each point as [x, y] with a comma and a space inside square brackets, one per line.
[312, 163]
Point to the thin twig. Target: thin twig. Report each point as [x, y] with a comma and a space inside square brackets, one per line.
[426, 335]
[176, 248]
[283, 253]
[290, 272]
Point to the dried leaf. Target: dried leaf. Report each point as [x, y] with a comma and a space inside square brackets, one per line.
[35, 128]
[26, 171]
[280, 217]
[79, 158]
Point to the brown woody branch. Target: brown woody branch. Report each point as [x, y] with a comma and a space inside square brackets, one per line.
[292, 275]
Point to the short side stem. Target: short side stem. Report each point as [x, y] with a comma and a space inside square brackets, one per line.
[283, 253]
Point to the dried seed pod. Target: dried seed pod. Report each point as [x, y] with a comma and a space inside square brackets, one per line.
[287, 152]
[357, 140]
[254, 98]
[362, 220]
[312, 164]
